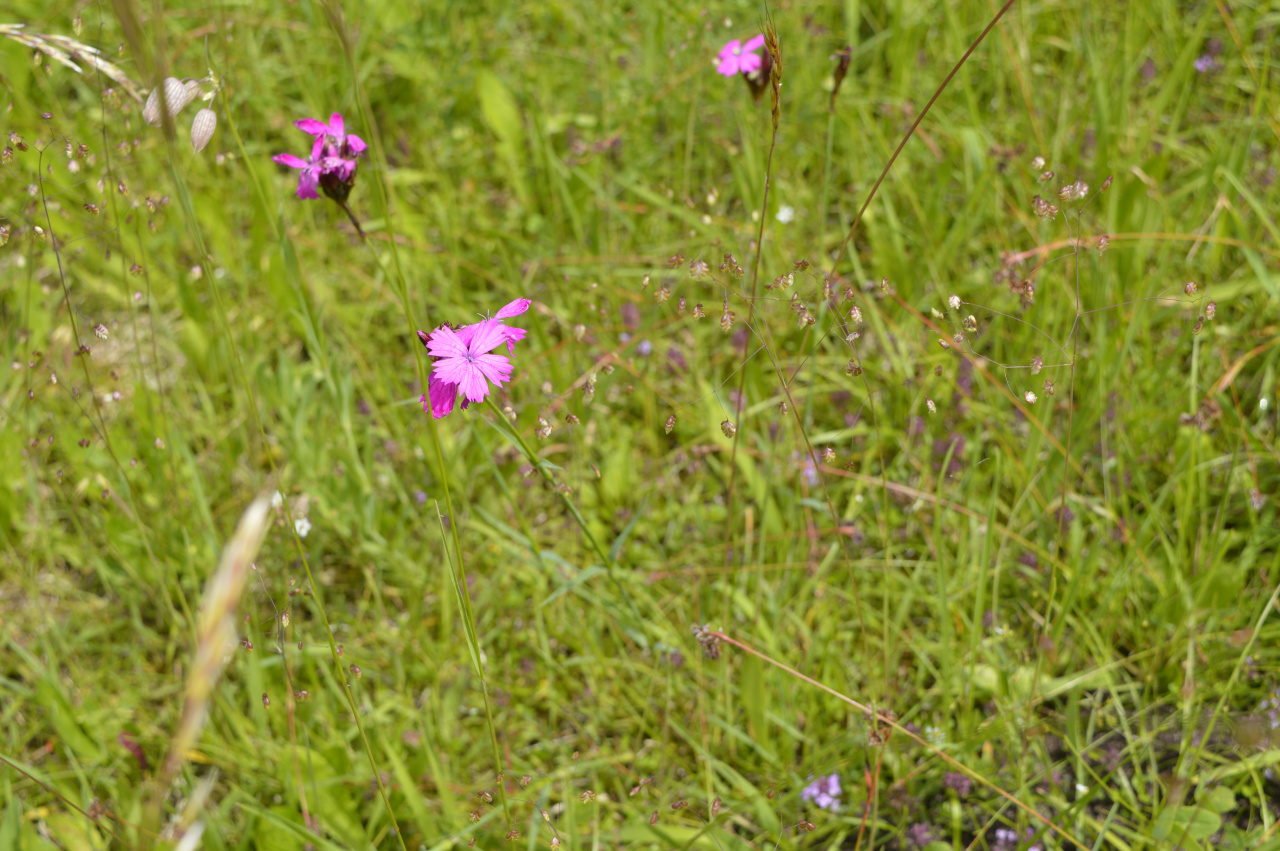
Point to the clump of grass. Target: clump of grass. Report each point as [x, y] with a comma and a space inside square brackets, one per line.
[987, 468]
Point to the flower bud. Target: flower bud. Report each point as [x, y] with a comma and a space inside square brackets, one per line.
[206, 121]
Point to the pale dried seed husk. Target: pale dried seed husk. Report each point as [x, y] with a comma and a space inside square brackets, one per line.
[177, 94]
[206, 121]
[151, 111]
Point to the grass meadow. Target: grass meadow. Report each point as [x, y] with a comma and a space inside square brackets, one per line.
[820, 510]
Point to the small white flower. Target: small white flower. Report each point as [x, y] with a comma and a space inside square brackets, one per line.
[1263, 403]
[954, 302]
[786, 214]
[302, 526]
[1031, 397]
[277, 499]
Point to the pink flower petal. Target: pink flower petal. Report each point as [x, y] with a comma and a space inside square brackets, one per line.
[513, 335]
[488, 336]
[754, 44]
[314, 126]
[496, 368]
[473, 385]
[356, 144]
[307, 185]
[515, 308]
[336, 126]
[451, 370]
[289, 160]
[728, 66]
[749, 62]
[445, 343]
[730, 50]
[442, 395]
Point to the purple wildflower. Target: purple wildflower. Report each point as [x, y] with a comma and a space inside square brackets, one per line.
[824, 791]
[919, 835]
[463, 361]
[331, 168]
[959, 782]
[738, 58]
[1207, 63]
[1006, 839]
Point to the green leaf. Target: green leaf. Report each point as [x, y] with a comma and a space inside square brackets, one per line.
[502, 114]
[621, 540]
[583, 576]
[1220, 799]
[1185, 822]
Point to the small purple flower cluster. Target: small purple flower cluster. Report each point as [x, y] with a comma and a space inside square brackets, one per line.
[824, 791]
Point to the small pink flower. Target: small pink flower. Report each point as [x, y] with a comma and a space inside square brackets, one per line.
[463, 359]
[331, 168]
[738, 58]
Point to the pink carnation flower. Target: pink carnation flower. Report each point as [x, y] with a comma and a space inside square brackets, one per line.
[331, 167]
[738, 58]
[464, 362]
